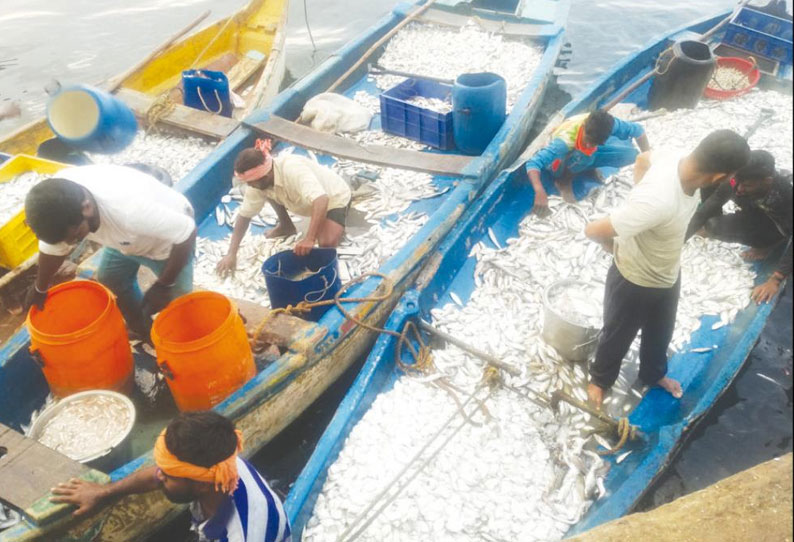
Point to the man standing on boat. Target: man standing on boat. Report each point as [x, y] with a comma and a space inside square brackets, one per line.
[291, 183]
[763, 221]
[138, 219]
[578, 145]
[646, 236]
[197, 462]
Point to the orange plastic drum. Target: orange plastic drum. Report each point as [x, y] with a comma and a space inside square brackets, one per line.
[79, 339]
[203, 350]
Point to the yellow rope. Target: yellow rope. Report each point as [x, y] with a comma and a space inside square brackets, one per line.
[161, 107]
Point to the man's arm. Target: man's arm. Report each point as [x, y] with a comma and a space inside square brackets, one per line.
[228, 263]
[545, 158]
[88, 497]
[643, 143]
[641, 166]
[319, 212]
[47, 268]
[710, 208]
[602, 232]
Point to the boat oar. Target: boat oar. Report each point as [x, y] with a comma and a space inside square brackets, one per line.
[410, 17]
[116, 82]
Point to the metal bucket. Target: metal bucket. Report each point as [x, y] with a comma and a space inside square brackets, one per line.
[573, 341]
[118, 450]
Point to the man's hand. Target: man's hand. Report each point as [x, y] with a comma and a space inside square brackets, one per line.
[157, 297]
[764, 293]
[88, 497]
[227, 265]
[541, 206]
[34, 297]
[304, 246]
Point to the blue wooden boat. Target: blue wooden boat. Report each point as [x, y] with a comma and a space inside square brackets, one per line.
[500, 208]
[318, 353]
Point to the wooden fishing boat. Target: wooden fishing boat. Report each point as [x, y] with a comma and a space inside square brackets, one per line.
[315, 354]
[248, 46]
[494, 218]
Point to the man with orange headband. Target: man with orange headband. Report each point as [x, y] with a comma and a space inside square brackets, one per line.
[292, 184]
[197, 462]
[578, 145]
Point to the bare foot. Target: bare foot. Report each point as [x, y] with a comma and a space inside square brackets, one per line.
[672, 386]
[595, 395]
[755, 254]
[281, 231]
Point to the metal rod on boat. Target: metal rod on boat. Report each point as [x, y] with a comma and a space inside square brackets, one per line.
[413, 15]
[116, 82]
[492, 360]
[378, 70]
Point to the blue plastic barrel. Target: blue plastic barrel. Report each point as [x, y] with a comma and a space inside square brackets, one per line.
[478, 104]
[208, 91]
[291, 279]
[91, 119]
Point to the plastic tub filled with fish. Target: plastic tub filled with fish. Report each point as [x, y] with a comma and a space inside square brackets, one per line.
[733, 77]
[91, 427]
[572, 317]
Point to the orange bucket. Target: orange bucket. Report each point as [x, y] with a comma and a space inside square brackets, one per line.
[79, 339]
[202, 349]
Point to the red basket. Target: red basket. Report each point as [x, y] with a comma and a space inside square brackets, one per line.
[748, 67]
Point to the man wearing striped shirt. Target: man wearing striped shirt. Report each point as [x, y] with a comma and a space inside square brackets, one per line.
[196, 461]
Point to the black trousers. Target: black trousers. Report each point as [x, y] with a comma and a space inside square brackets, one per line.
[749, 227]
[629, 308]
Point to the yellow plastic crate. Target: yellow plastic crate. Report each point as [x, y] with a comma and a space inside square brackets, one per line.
[17, 241]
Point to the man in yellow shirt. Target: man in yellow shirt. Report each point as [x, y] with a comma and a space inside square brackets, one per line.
[292, 184]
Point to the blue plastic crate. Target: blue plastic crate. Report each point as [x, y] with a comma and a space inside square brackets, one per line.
[399, 117]
[761, 34]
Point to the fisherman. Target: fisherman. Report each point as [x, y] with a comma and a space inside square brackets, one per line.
[196, 461]
[139, 220]
[763, 221]
[579, 145]
[290, 183]
[646, 236]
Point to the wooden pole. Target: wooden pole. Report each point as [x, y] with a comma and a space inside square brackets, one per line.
[413, 15]
[116, 82]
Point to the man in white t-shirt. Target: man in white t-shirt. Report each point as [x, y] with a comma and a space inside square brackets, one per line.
[646, 236]
[138, 220]
[290, 183]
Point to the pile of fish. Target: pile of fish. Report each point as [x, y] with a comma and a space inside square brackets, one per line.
[520, 472]
[177, 154]
[13, 192]
[727, 78]
[437, 105]
[578, 302]
[447, 52]
[774, 134]
[86, 426]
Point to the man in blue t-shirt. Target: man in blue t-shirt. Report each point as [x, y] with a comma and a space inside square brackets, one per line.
[578, 145]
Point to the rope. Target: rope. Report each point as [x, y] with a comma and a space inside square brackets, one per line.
[308, 28]
[161, 107]
[204, 104]
[624, 430]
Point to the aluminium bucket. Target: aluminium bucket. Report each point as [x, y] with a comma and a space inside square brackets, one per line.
[573, 340]
[291, 279]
